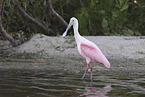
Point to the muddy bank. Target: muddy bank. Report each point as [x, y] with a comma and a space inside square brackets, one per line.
[126, 54]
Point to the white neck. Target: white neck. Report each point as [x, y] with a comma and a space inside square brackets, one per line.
[75, 27]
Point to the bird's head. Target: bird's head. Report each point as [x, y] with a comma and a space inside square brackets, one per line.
[73, 21]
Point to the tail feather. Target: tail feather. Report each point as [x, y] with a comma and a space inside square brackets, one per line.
[107, 64]
[105, 61]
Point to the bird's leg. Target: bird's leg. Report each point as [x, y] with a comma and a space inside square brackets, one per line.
[91, 75]
[85, 72]
[91, 71]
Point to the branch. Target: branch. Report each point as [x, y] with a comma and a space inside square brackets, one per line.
[81, 3]
[46, 30]
[3, 31]
[56, 14]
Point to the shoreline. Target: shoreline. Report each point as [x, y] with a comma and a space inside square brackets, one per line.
[126, 54]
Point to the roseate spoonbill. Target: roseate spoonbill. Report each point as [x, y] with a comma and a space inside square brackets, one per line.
[86, 48]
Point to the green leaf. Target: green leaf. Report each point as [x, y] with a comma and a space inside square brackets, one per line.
[124, 7]
[104, 23]
[128, 32]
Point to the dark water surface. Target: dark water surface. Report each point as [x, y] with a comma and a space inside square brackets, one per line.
[30, 83]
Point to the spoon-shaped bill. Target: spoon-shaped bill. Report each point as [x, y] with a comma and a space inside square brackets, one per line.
[65, 33]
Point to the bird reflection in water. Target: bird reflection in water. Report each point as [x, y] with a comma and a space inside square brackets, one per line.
[93, 91]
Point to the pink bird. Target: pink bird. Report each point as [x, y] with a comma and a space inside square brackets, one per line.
[86, 48]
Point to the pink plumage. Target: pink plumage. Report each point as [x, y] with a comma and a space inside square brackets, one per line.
[90, 53]
[86, 48]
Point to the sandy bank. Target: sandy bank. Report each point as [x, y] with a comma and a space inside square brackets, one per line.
[111, 46]
[124, 53]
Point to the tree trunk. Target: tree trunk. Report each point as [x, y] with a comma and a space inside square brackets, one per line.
[3, 31]
[45, 29]
[56, 14]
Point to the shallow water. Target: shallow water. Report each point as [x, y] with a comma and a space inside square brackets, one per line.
[30, 83]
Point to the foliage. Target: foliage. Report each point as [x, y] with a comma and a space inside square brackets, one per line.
[104, 17]
[136, 17]
[97, 17]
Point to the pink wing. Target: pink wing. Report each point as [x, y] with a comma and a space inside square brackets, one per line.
[94, 54]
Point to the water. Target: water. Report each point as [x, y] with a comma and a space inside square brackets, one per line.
[28, 83]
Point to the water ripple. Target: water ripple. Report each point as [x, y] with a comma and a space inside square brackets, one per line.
[45, 84]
